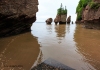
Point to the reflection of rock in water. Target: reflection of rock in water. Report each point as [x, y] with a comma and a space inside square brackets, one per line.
[60, 30]
[68, 28]
[51, 65]
[49, 27]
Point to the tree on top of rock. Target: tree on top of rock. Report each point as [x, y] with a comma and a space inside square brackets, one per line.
[61, 10]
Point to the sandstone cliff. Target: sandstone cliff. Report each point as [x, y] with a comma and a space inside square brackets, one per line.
[16, 16]
[90, 15]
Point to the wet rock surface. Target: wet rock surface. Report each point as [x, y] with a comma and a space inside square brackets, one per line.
[92, 25]
[51, 64]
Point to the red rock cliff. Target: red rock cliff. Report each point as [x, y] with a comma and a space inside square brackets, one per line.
[92, 15]
[16, 16]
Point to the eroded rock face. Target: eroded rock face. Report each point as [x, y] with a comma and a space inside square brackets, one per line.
[49, 20]
[57, 19]
[63, 18]
[69, 19]
[16, 16]
[60, 18]
[91, 15]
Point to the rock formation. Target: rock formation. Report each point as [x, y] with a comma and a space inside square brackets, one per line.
[60, 19]
[61, 15]
[69, 19]
[91, 15]
[49, 20]
[16, 16]
[57, 19]
[63, 18]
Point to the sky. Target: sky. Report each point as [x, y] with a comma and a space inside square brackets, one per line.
[48, 9]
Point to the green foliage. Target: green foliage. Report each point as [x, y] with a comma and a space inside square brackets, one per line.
[94, 5]
[82, 4]
[79, 17]
[61, 10]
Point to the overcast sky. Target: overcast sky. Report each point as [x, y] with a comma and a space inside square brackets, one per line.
[48, 8]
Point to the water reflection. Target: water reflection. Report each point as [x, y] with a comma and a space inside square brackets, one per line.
[49, 28]
[68, 28]
[88, 44]
[60, 30]
[57, 43]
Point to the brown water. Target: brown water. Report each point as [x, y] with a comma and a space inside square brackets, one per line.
[18, 52]
[71, 45]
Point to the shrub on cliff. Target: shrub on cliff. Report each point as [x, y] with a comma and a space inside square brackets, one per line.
[61, 10]
[94, 5]
[82, 4]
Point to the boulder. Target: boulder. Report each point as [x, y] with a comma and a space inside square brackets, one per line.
[49, 20]
[17, 16]
[69, 19]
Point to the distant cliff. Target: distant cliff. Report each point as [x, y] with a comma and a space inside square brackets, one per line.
[16, 16]
[89, 13]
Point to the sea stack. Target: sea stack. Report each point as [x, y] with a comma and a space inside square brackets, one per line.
[61, 15]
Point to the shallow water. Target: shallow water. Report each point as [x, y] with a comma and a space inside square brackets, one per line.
[69, 44]
[18, 52]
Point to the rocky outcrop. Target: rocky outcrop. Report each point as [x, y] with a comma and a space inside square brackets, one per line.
[69, 19]
[16, 16]
[91, 15]
[60, 18]
[49, 20]
[57, 19]
[91, 18]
